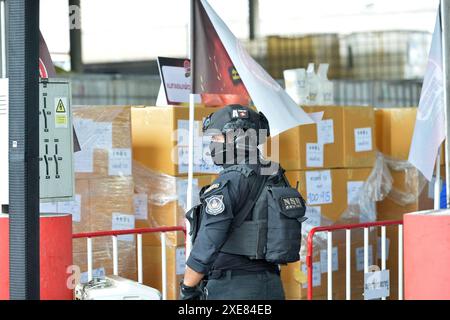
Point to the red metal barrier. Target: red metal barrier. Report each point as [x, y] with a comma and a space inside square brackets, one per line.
[313, 232]
[139, 232]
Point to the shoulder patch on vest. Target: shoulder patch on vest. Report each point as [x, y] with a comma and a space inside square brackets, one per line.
[215, 205]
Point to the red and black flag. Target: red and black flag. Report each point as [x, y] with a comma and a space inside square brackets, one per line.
[223, 69]
[214, 74]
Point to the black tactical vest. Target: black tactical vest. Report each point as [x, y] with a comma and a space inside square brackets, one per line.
[269, 224]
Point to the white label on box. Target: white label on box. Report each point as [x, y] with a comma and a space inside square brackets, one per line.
[376, 285]
[202, 159]
[360, 258]
[388, 242]
[102, 135]
[72, 207]
[325, 132]
[120, 162]
[314, 219]
[48, 207]
[96, 274]
[140, 206]
[122, 221]
[84, 159]
[363, 139]
[314, 155]
[182, 185]
[180, 260]
[317, 274]
[319, 187]
[324, 260]
[353, 191]
[183, 133]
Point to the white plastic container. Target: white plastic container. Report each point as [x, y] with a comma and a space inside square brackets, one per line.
[312, 81]
[115, 288]
[326, 94]
[296, 88]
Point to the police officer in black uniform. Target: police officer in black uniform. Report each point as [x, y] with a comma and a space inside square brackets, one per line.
[230, 276]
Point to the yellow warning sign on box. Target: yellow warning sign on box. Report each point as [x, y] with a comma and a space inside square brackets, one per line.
[60, 108]
[61, 120]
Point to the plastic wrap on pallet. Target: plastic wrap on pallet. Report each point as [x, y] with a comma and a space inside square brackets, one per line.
[376, 188]
[104, 185]
[413, 184]
[161, 188]
[163, 200]
[104, 134]
[107, 205]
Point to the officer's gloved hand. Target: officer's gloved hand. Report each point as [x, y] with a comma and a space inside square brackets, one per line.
[190, 293]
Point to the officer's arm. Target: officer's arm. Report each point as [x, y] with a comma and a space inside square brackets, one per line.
[191, 277]
[217, 218]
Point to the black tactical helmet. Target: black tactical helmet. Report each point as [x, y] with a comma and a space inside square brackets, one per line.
[235, 117]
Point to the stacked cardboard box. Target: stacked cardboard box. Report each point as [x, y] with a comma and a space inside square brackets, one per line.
[343, 139]
[331, 161]
[160, 151]
[161, 140]
[160, 201]
[104, 186]
[394, 132]
[410, 192]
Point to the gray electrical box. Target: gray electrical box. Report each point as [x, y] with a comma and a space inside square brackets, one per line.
[56, 174]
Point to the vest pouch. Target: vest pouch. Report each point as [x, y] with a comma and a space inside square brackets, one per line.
[286, 211]
[194, 216]
[241, 240]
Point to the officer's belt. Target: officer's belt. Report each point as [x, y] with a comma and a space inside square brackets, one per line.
[217, 274]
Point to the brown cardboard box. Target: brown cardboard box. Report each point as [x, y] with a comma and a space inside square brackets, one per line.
[104, 133]
[103, 200]
[334, 201]
[296, 288]
[166, 202]
[100, 200]
[155, 134]
[395, 130]
[349, 140]
[152, 271]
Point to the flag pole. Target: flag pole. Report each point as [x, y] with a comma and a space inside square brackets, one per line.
[445, 20]
[191, 126]
[437, 183]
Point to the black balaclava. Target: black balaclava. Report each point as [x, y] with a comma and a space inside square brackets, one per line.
[238, 148]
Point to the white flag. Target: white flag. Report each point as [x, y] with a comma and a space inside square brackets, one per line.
[429, 132]
[267, 95]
